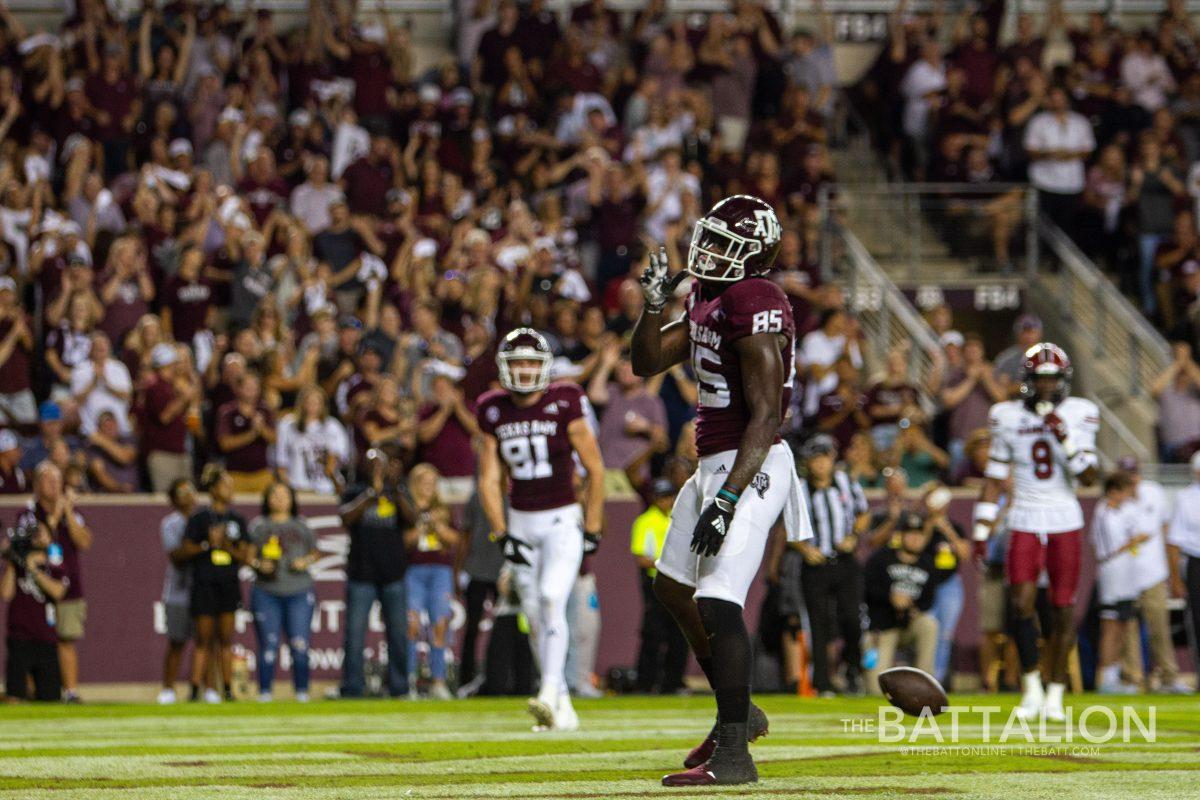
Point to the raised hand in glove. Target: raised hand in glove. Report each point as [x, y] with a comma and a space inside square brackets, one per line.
[511, 547]
[656, 283]
[712, 527]
[1056, 425]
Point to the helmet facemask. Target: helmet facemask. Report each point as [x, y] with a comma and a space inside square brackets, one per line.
[524, 370]
[719, 254]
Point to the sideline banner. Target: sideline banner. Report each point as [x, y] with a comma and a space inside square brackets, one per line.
[123, 578]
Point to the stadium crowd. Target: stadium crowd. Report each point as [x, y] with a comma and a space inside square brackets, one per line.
[268, 261]
[1102, 120]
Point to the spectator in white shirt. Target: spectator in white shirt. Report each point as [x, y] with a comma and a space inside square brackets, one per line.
[1147, 75]
[819, 354]
[1058, 140]
[311, 446]
[311, 200]
[671, 193]
[1150, 573]
[922, 86]
[1183, 539]
[101, 383]
[1117, 534]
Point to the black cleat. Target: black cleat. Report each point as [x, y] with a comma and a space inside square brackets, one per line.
[756, 727]
[730, 764]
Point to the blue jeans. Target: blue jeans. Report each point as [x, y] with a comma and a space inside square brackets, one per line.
[359, 599]
[430, 590]
[292, 614]
[1147, 247]
[947, 607]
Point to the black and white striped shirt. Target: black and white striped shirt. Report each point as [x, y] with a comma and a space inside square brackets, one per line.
[833, 510]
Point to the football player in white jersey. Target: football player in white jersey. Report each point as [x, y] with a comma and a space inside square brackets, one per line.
[1046, 440]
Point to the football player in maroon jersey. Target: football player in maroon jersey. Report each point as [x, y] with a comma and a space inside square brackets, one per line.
[738, 333]
[532, 429]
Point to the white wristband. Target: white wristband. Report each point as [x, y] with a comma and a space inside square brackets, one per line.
[984, 516]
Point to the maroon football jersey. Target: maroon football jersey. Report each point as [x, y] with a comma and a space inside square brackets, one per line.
[534, 444]
[750, 306]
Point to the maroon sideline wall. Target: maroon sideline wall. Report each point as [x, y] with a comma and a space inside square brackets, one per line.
[123, 577]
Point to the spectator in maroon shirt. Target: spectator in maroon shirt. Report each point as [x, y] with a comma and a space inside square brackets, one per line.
[617, 196]
[187, 298]
[31, 590]
[112, 457]
[489, 63]
[54, 507]
[126, 289]
[840, 412]
[114, 93]
[370, 67]
[245, 433]
[262, 187]
[368, 179]
[165, 405]
[17, 406]
[889, 397]
[977, 57]
[799, 275]
[446, 428]
[1028, 44]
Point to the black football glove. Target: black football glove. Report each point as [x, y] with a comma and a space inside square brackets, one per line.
[591, 543]
[511, 546]
[712, 527]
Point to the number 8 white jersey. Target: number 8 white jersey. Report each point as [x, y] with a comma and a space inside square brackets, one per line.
[1023, 445]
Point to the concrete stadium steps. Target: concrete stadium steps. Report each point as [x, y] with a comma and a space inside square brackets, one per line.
[1110, 362]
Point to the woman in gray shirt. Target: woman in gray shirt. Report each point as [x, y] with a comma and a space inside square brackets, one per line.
[283, 597]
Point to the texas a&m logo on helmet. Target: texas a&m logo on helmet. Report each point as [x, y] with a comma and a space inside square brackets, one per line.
[524, 361]
[738, 238]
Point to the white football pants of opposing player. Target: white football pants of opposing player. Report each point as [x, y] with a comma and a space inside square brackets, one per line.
[728, 575]
[555, 553]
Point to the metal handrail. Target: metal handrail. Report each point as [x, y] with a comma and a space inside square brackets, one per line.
[1110, 420]
[1111, 300]
[897, 303]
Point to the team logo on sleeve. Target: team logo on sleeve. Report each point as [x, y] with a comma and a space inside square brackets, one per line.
[760, 483]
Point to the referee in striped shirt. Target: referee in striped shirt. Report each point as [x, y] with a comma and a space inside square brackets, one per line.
[831, 578]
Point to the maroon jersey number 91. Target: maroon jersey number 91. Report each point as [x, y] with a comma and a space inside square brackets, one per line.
[534, 444]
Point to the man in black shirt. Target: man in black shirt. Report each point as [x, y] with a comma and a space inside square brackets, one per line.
[900, 584]
[376, 515]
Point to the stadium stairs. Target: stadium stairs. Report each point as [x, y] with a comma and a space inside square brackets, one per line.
[919, 251]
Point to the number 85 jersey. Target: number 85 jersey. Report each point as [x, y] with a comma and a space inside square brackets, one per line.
[745, 308]
[534, 443]
[1024, 446]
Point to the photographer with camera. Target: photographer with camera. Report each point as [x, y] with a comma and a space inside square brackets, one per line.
[35, 581]
[54, 506]
[376, 515]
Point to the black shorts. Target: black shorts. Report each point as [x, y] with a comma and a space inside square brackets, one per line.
[37, 660]
[1121, 611]
[214, 599]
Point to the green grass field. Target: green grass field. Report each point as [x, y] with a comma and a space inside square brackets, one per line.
[484, 749]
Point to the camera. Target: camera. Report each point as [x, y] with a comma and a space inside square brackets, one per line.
[20, 543]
